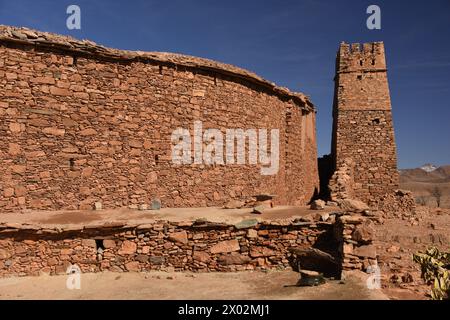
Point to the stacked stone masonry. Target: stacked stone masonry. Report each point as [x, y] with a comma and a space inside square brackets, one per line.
[363, 126]
[356, 249]
[82, 124]
[197, 246]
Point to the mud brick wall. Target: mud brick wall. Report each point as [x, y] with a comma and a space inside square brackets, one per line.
[89, 125]
[166, 246]
[363, 127]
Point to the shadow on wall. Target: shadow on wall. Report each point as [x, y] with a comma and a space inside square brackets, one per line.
[326, 171]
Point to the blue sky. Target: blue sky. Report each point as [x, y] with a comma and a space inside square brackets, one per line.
[291, 43]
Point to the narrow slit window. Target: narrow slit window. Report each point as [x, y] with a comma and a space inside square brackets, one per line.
[72, 163]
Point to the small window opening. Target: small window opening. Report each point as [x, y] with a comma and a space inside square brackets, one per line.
[160, 69]
[99, 244]
[72, 163]
[359, 77]
[373, 62]
[156, 159]
[360, 62]
[376, 121]
[57, 75]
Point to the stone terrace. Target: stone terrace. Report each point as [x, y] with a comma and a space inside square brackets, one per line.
[170, 239]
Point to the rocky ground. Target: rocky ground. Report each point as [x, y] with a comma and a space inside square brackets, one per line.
[185, 286]
[398, 239]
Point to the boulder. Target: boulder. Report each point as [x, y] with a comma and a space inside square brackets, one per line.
[364, 232]
[318, 205]
[234, 204]
[353, 205]
[315, 260]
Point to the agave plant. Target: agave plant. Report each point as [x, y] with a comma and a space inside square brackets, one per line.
[435, 267]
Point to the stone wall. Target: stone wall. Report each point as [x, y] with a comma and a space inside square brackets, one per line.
[82, 124]
[363, 127]
[357, 234]
[341, 184]
[198, 246]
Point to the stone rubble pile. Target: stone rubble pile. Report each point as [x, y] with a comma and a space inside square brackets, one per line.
[398, 204]
[341, 184]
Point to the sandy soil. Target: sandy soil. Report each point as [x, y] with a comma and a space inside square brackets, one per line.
[186, 286]
[398, 240]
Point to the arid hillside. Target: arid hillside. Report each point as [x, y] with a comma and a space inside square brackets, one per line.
[429, 184]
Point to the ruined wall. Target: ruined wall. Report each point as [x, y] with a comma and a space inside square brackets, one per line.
[363, 127]
[356, 233]
[81, 124]
[162, 245]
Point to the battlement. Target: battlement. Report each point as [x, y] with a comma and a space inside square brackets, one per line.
[356, 58]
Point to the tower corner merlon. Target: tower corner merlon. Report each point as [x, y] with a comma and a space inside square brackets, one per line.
[357, 57]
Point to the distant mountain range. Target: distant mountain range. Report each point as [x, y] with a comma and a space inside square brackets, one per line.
[421, 181]
[427, 173]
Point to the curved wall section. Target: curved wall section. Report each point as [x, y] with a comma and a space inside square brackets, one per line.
[79, 128]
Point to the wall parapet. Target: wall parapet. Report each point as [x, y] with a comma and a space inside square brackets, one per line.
[86, 48]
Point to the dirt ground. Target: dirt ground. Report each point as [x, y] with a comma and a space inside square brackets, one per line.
[397, 241]
[275, 285]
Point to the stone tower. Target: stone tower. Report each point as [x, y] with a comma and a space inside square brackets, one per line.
[363, 144]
